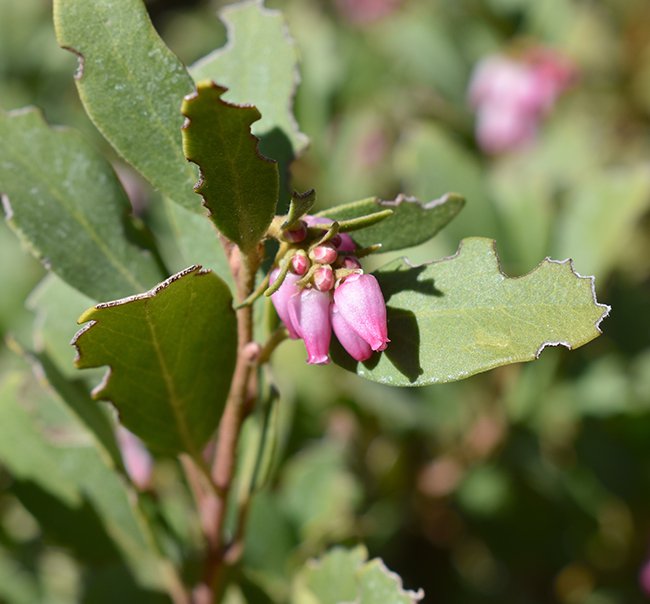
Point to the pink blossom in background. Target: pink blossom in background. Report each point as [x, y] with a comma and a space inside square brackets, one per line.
[512, 96]
[644, 578]
[362, 12]
[137, 460]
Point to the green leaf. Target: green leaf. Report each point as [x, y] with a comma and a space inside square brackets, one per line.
[345, 576]
[171, 353]
[299, 205]
[461, 315]
[198, 240]
[412, 222]
[131, 86]
[259, 66]
[64, 200]
[57, 307]
[44, 445]
[17, 584]
[430, 160]
[600, 217]
[320, 494]
[238, 185]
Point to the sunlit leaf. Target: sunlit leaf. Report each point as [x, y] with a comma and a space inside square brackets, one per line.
[131, 86]
[64, 200]
[413, 222]
[258, 66]
[345, 576]
[171, 353]
[238, 185]
[461, 315]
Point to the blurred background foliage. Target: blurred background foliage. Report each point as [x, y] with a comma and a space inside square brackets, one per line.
[528, 484]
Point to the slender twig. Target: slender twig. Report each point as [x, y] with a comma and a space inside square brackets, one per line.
[237, 405]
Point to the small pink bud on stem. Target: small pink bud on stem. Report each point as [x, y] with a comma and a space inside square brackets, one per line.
[325, 253]
[300, 264]
[324, 278]
[297, 234]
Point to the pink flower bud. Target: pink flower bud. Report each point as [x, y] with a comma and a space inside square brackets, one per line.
[137, 460]
[297, 234]
[281, 299]
[346, 244]
[310, 312]
[324, 254]
[350, 262]
[299, 264]
[324, 278]
[353, 343]
[361, 304]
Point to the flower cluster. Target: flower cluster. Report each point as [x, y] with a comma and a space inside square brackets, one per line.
[512, 96]
[326, 289]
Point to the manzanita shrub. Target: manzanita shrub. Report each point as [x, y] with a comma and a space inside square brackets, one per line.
[189, 352]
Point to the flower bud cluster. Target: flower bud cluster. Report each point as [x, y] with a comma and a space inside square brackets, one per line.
[326, 290]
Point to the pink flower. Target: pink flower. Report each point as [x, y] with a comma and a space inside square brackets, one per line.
[512, 96]
[361, 304]
[644, 577]
[137, 460]
[353, 343]
[310, 314]
[363, 12]
[281, 298]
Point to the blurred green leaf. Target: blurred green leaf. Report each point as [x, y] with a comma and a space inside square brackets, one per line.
[198, 240]
[346, 576]
[461, 315]
[238, 185]
[599, 217]
[65, 202]
[171, 353]
[51, 453]
[431, 160]
[412, 222]
[131, 86]
[319, 494]
[57, 307]
[259, 66]
[17, 585]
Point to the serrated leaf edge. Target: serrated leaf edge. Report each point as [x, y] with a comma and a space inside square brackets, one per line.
[98, 391]
[188, 123]
[493, 244]
[415, 596]
[222, 15]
